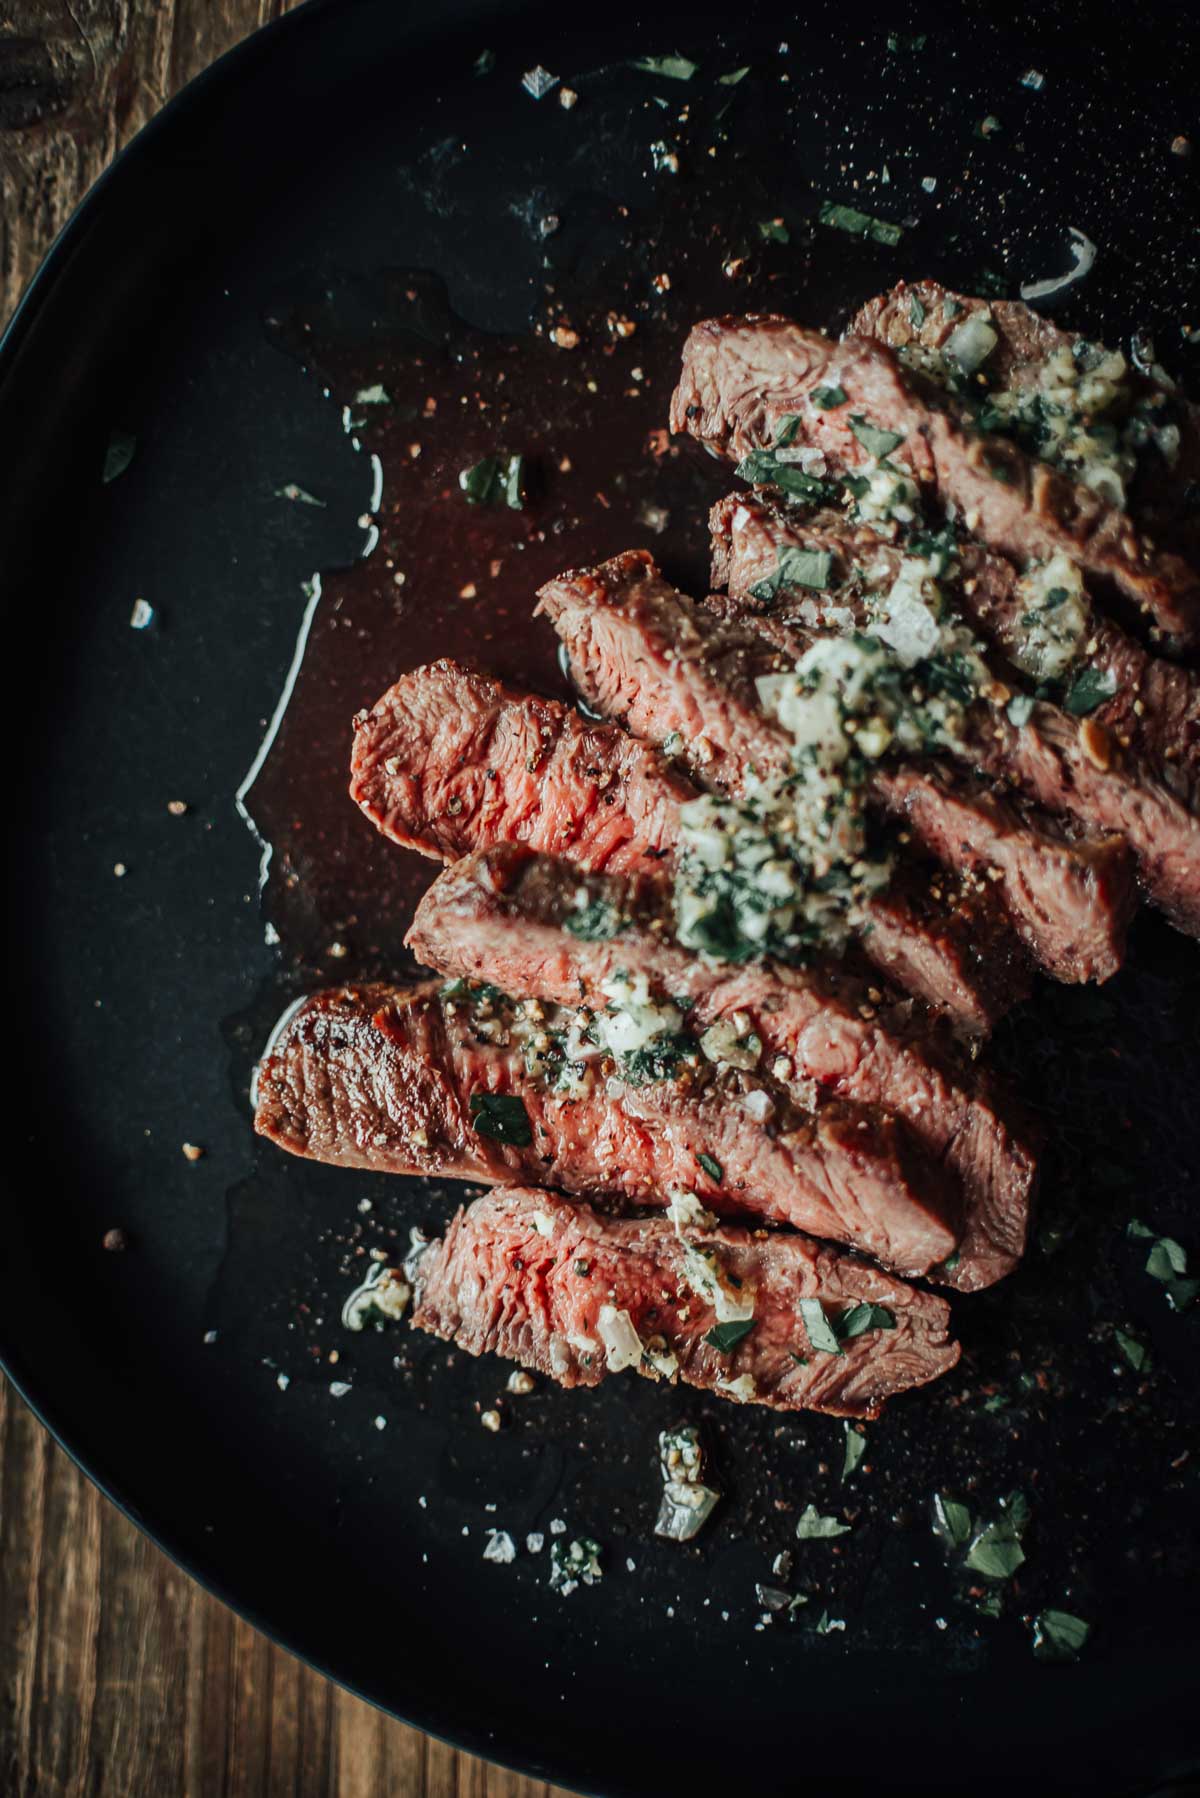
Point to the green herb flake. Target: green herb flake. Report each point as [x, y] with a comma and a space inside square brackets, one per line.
[1135, 1228]
[118, 455]
[951, 1521]
[856, 1448]
[899, 43]
[675, 68]
[861, 1318]
[950, 308]
[812, 1527]
[712, 1168]
[300, 494]
[1167, 1262]
[496, 481]
[503, 1117]
[827, 399]
[596, 922]
[734, 76]
[1058, 1636]
[809, 568]
[876, 442]
[995, 1549]
[989, 126]
[485, 62]
[774, 231]
[916, 312]
[583, 1269]
[762, 468]
[859, 224]
[1090, 688]
[376, 395]
[725, 1337]
[1019, 709]
[1133, 1349]
[819, 1330]
[786, 433]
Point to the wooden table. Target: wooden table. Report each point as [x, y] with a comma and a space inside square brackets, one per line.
[118, 1675]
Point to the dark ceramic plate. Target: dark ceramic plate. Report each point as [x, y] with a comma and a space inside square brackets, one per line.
[346, 192]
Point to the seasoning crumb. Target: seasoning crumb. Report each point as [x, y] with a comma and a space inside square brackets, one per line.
[567, 98]
[115, 1241]
[339, 1388]
[178, 808]
[538, 82]
[141, 615]
[520, 1382]
[661, 283]
[120, 870]
[1181, 146]
[470, 591]
[490, 1421]
[381, 1423]
[337, 951]
[192, 1152]
[564, 337]
[283, 1381]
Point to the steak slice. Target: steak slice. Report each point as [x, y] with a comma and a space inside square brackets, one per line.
[922, 317]
[441, 764]
[575, 1296]
[643, 653]
[747, 382]
[1094, 770]
[450, 759]
[415, 1081]
[546, 929]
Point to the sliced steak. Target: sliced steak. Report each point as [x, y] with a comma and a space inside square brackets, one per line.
[442, 764]
[450, 759]
[544, 928]
[1109, 771]
[748, 382]
[413, 1081]
[644, 654]
[575, 1297]
[921, 319]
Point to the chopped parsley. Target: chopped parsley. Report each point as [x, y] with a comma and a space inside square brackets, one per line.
[762, 468]
[916, 312]
[774, 231]
[485, 62]
[899, 41]
[796, 568]
[861, 1318]
[675, 68]
[734, 76]
[501, 1116]
[1058, 1636]
[596, 922]
[812, 1527]
[496, 481]
[1090, 688]
[951, 1521]
[660, 1058]
[1167, 1262]
[725, 1337]
[856, 1448]
[828, 1334]
[118, 455]
[712, 1168]
[859, 224]
[875, 441]
[1133, 1349]
[818, 1328]
[827, 399]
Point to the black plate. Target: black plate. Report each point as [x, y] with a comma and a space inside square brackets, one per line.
[322, 152]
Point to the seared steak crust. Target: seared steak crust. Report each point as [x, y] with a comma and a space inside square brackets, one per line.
[644, 654]
[404, 1081]
[744, 378]
[529, 1276]
[1125, 774]
[450, 759]
[508, 914]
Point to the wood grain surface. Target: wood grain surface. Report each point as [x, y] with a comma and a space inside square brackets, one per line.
[120, 1678]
